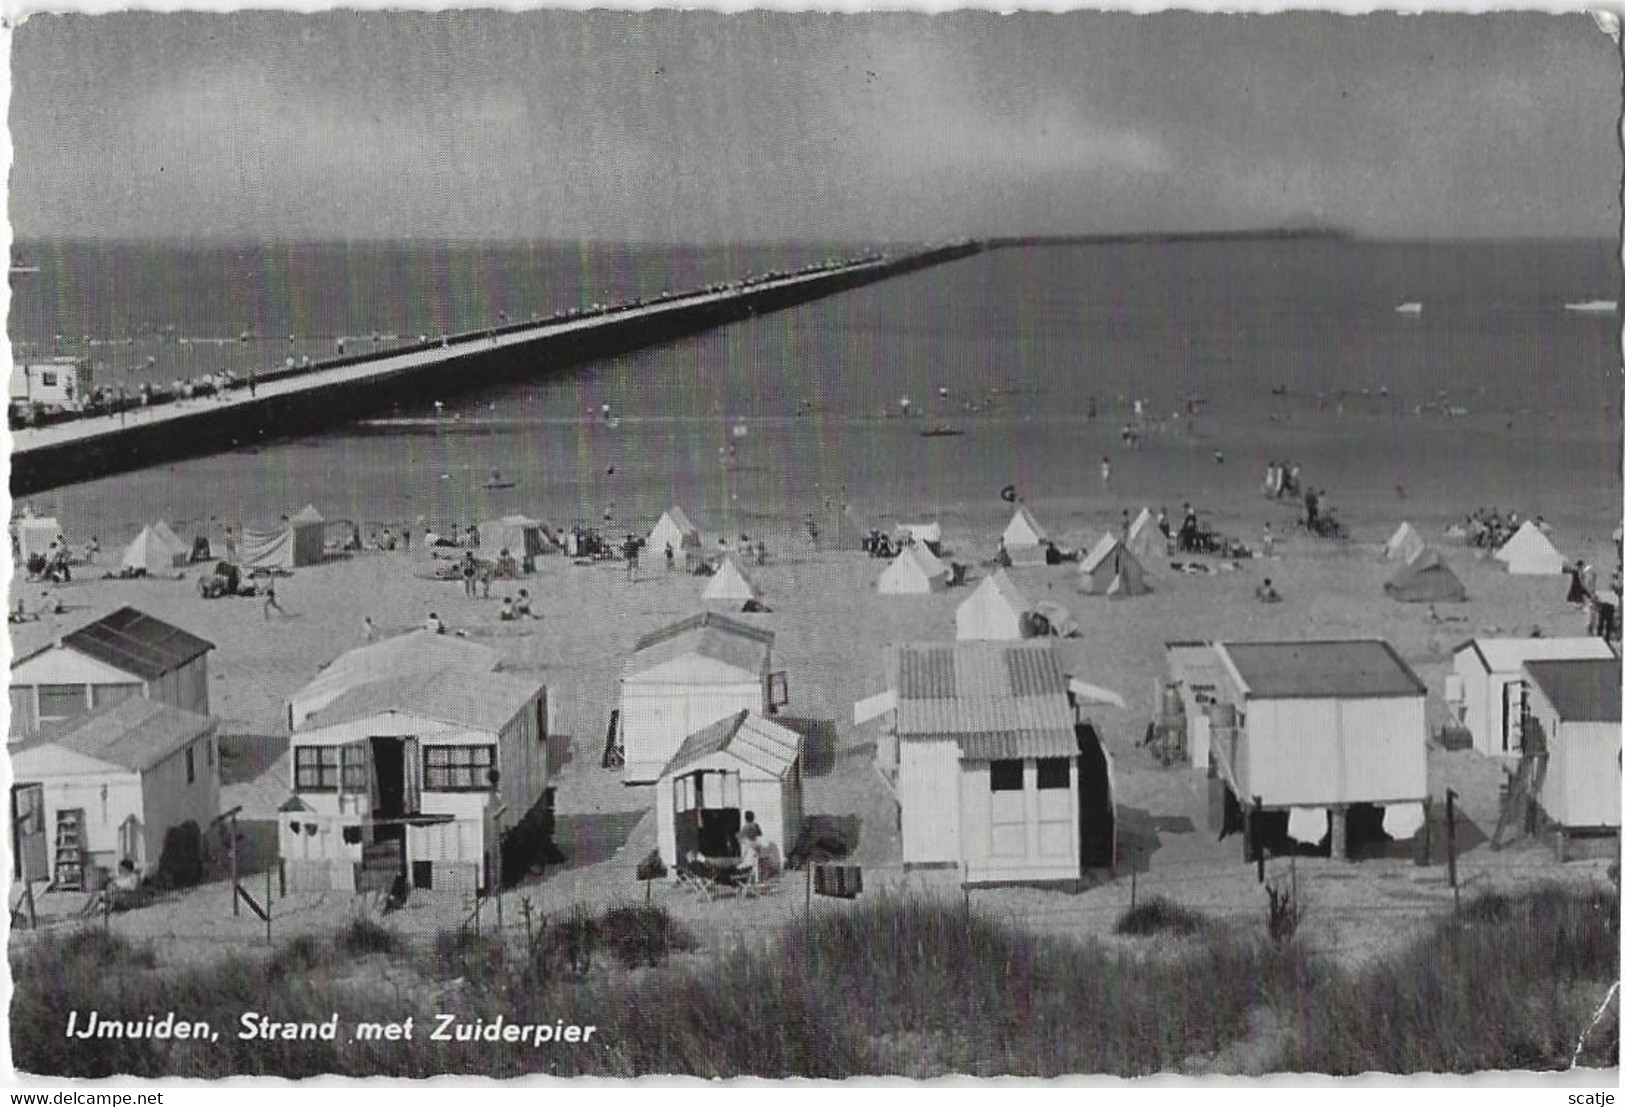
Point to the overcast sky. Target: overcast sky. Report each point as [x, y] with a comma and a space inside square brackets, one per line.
[703, 127]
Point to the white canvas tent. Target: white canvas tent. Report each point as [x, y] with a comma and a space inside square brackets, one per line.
[173, 540]
[1404, 545]
[519, 535]
[674, 530]
[923, 532]
[151, 553]
[995, 611]
[1530, 553]
[299, 541]
[1111, 570]
[1024, 539]
[914, 572]
[730, 584]
[35, 535]
[1145, 539]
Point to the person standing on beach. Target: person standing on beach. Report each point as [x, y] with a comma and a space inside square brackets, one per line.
[1269, 541]
[1106, 472]
[231, 546]
[671, 556]
[406, 536]
[368, 631]
[468, 575]
[270, 601]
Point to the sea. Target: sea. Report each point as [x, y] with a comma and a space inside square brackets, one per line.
[1221, 355]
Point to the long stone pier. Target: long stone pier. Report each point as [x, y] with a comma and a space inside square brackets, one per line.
[285, 405]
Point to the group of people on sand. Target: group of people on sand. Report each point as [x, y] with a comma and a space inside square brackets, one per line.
[1602, 608]
[1282, 480]
[1489, 528]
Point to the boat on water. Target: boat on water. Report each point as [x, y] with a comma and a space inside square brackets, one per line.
[1593, 307]
[942, 430]
[496, 483]
[1409, 308]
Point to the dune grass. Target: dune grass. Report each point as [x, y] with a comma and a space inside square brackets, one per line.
[895, 986]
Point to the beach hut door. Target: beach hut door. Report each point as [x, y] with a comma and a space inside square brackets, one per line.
[1513, 704]
[413, 758]
[778, 690]
[28, 815]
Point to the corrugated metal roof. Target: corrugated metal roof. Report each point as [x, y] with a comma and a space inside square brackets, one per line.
[1003, 745]
[135, 642]
[1012, 691]
[1352, 668]
[459, 696]
[414, 651]
[1582, 691]
[135, 734]
[708, 634]
[758, 742]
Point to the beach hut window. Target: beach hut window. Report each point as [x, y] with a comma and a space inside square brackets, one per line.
[1005, 776]
[354, 760]
[106, 695]
[1054, 772]
[316, 768]
[458, 768]
[59, 701]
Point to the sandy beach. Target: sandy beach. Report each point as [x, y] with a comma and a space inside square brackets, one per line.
[831, 630]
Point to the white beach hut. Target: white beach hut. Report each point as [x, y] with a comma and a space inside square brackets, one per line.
[683, 678]
[1576, 706]
[995, 775]
[1487, 686]
[1314, 728]
[127, 654]
[417, 651]
[741, 763]
[109, 786]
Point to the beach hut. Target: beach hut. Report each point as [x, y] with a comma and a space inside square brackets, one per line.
[995, 610]
[1487, 687]
[415, 777]
[730, 585]
[1530, 553]
[520, 535]
[674, 530]
[1185, 695]
[1425, 578]
[127, 654]
[914, 572]
[417, 651]
[1145, 538]
[740, 763]
[996, 775]
[1305, 732]
[309, 536]
[1024, 540]
[1109, 569]
[151, 553]
[1574, 706]
[1405, 544]
[684, 677]
[109, 786]
[34, 535]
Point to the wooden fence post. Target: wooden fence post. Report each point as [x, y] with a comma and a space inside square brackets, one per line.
[1450, 842]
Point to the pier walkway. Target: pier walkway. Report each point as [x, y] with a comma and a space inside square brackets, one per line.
[301, 402]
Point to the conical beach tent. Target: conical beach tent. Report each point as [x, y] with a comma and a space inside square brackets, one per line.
[730, 584]
[1144, 537]
[914, 572]
[674, 530]
[1404, 545]
[1111, 570]
[151, 554]
[173, 540]
[1425, 578]
[1530, 553]
[1025, 541]
[995, 611]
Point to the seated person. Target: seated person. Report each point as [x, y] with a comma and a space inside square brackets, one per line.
[1266, 592]
[521, 607]
[507, 614]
